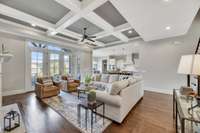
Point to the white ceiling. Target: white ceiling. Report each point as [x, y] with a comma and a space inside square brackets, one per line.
[150, 17]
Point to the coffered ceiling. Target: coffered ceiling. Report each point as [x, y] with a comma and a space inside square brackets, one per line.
[112, 21]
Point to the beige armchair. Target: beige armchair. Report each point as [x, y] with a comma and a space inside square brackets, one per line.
[72, 84]
[45, 87]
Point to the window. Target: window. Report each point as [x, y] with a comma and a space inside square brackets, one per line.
[36, 65]
[95, 65]
[54, 64]
[66, 64]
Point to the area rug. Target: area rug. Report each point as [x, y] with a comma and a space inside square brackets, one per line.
[66, 105]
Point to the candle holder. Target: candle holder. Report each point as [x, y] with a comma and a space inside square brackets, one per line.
[11, 120]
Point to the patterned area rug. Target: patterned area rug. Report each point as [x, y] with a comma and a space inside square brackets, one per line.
[66, 105]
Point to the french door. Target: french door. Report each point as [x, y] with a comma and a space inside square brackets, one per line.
[54, 63]
[36, 65]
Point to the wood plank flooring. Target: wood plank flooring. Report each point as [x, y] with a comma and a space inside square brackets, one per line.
[153, 114]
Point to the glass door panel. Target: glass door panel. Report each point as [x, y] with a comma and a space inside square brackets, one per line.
[36, 65]
[54, 64]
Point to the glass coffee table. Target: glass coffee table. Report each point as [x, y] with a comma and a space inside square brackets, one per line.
[82, 89]
[93, 108]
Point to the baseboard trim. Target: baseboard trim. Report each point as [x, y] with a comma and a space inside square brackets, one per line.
[13, 92]
[164, 91]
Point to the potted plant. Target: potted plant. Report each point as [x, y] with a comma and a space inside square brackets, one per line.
[88, 79]
[91, 96]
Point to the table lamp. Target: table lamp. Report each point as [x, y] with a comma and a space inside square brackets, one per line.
[190, 65]
[185, 67]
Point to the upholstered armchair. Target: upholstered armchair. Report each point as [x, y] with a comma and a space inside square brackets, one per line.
[72, 84]
[45, 87]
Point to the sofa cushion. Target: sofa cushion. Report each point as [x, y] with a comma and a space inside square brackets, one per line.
[104, 78]
[114, 100]
[102, 86]
[113, 77]
[118, 86]
[47, 81]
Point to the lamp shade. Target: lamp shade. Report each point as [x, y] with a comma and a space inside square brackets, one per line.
[189, 64]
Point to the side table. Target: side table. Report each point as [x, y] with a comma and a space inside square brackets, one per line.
[93, 108]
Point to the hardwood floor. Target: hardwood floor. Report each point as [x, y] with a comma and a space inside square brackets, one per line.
[153, 114]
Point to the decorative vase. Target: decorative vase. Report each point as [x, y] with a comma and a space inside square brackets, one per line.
[91, 96]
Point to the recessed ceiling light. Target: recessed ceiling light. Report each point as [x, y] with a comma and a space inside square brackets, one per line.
[166, 0]
[33, 25]
[130, 31]
[53, 33]
[168, 28]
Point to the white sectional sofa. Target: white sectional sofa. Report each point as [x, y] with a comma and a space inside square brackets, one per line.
[118, 105]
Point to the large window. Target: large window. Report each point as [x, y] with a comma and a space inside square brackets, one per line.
[66, 64]
[36, 65]
[54, 64]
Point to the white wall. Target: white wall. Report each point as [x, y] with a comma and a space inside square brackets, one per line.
[14, 70]
[160, 58]
[16, 73]
[85, 64]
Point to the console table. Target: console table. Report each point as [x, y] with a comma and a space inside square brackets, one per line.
[186, 121]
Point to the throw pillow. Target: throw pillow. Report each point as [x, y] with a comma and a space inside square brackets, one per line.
[113, 77]
[47, 82]
[131, 81]
[104, 78]
[118, 86]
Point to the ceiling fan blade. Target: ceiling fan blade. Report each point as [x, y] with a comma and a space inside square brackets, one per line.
[34, 44]
[40, 45]
[44, 46]
[84, 31]
[91, 36]
[90, 40]
[83, 39]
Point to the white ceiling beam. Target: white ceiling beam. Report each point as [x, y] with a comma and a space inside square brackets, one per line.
[73, 5]
[99, 43]
[97, 20]
[121, 36]
[120, 28]
[27, 33]
[8, 11]
[65, 18]
[72, 34]
[93, 5]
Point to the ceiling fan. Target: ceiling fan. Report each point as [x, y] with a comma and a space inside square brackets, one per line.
[87, 37]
